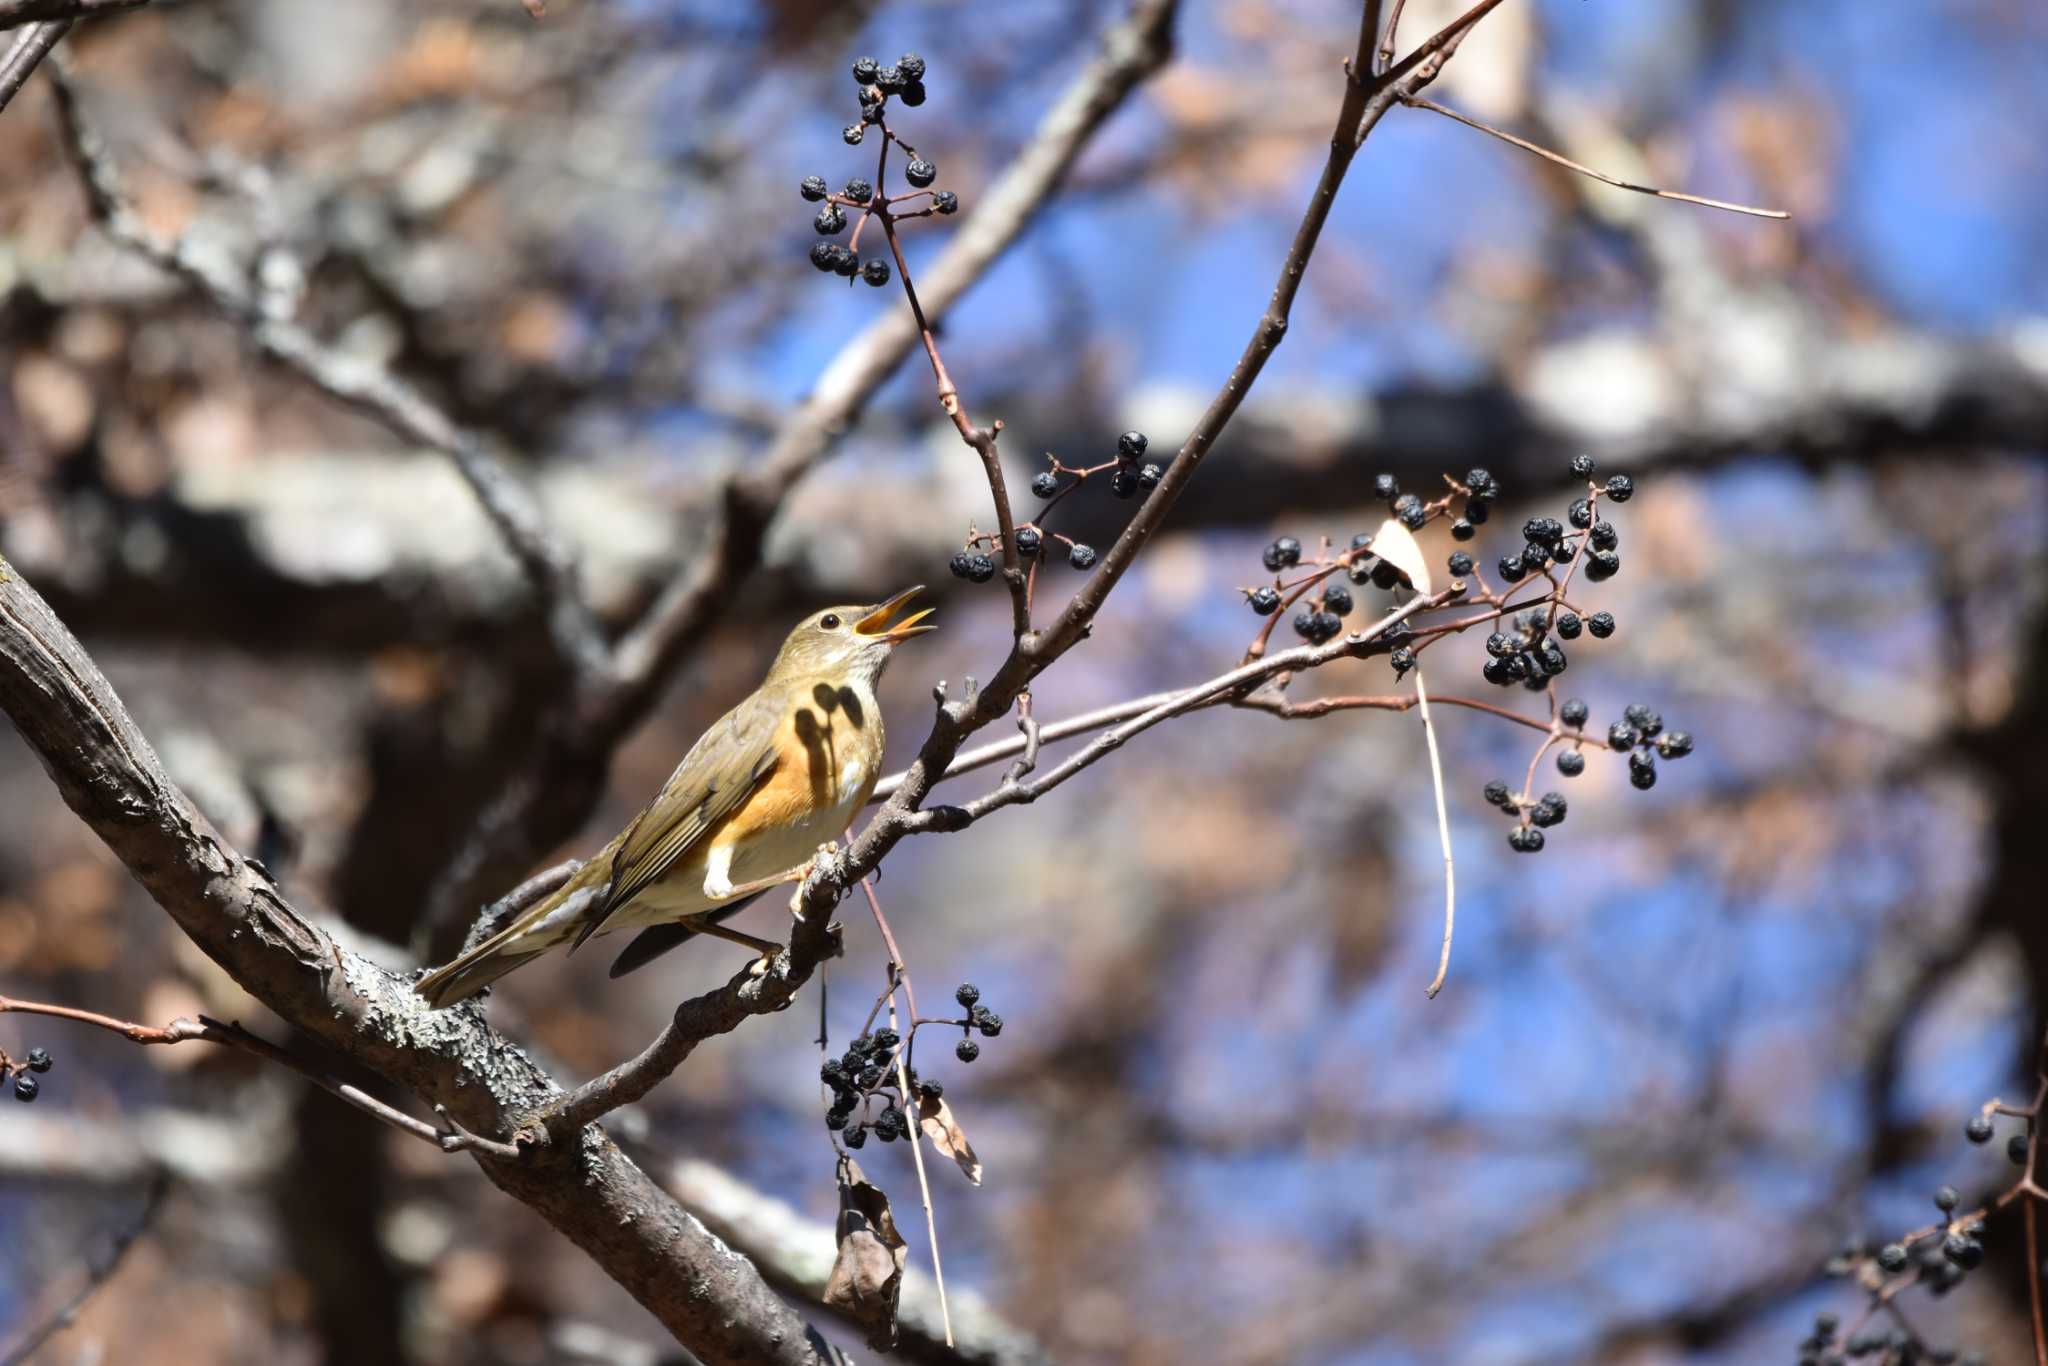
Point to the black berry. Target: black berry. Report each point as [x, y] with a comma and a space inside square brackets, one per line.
[967, 994]
[1028, 542]
[920, 173]
[1081, 556]
[813, 187]
[830, 221]
[967, 1050]
[1283, 553]
[1620, 488]
[1601, 624]
[945, 201]
[1582, 466]
[1460, 564]
[1131, 446]
[1978, 1130]
[1045, 485]
[1573, 713]
[1264, 601]
[875, 272]
[1571, 763]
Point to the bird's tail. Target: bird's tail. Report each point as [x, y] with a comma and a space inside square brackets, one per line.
[528, 937]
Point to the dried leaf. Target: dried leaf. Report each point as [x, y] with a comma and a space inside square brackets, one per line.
[1396, 545]
[935, 1117]
[867, 1277]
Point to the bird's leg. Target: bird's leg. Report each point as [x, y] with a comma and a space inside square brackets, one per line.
[767, 948]
[715, 884]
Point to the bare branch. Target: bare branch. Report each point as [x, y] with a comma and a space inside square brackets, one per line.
[449, 1137]
[1237, 683]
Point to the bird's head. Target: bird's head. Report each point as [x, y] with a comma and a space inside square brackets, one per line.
[851, 641]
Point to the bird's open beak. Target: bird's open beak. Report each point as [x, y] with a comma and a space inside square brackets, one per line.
[876, 622]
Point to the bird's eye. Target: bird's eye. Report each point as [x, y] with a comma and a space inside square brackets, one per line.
[830, 621]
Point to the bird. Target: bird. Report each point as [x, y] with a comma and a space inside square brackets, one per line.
[775, 779]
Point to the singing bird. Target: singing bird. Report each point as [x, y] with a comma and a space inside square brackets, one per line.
[779, 775]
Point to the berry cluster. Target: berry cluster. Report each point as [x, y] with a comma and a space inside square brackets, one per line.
[1936, 1257]
[25, 1073]
[903, 82]
[866, 1075]
[1531, 615]
[1640, 734]
[1129, 475]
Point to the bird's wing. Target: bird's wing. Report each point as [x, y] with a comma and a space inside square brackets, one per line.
[652, 942]
[726, 766]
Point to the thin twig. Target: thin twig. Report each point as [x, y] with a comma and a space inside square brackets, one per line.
[1236, 683]
[99, 1275]
[448, 1136]
[1558, 158]
[1443, 830]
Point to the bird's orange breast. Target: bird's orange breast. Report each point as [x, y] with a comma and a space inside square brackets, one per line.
[830, 748]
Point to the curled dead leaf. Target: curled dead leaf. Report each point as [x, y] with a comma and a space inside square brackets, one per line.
[935, 1117]
[1397, 545]
[867, 1277]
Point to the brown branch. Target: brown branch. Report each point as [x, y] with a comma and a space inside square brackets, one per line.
[1235, 685]
[370, 389]
[1560, 159]
[1366, 101]
[27, 53]
[70, 716]
[995, 751]
[449, 1136]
